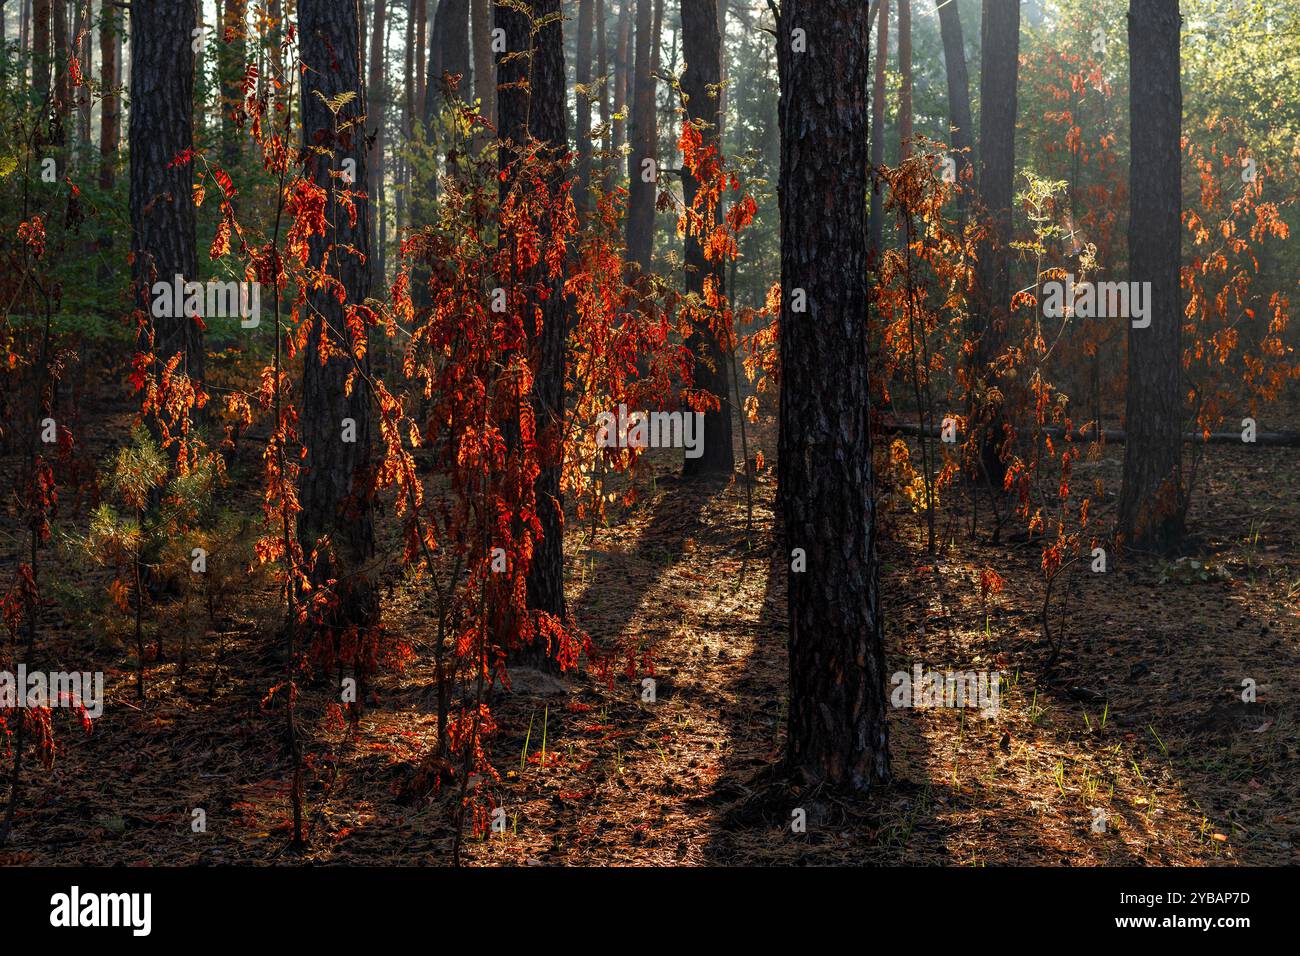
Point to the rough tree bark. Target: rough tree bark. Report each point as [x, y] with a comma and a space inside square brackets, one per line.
[703, 49]
[837, 726]
[1153, 499]
[1000, 45]
[332, 485]
[375, 157]
[162, 192]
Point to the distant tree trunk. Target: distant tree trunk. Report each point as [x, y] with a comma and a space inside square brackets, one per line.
[622, 52]
[602, 53]
[582, 95]
[41, 49]
[336, 426]
[232, 52]
[485, 80]
[421, 53]
[878, 131]
[1153, 499]
[375, 156]
[547, 124]
[162, 192]
[82, 37]
[703, 49]
[1000, 44]
[62, 90]
[838, 732]
[641, 130]
[724, 93]
[110, 107]
[905, 71]
[954, 58]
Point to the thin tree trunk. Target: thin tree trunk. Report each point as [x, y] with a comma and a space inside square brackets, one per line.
[959, 119]
[232, 52]
[642, 171]
[582, 95]
[62, 90]
[110, 108]
[485, 80]
[838, 732]
[602, 53]
[878, 131]
[621, 70]
[1153, 499]
[905, 71]
[421, 54]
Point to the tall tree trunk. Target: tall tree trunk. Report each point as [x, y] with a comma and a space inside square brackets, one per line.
[421, 62]
[1000, 46]
[837, 725]
[878, 131]
[1153, 499]
[602, 66]
[62, 90]
[622, 67]
[375, 157]
[110, 107]
[700, 83]
[41, 49]
[547, 124]
[641, 131]
[724, 94]
[485, 80]
[82, 37]
[162, 192]
[582, 96]
[905, 71]
[336, 425]
[453, 34]
[231, 54]
[954, 59]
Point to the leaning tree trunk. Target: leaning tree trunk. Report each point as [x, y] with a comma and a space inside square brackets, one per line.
[162, 191]
[700, 85]
[1000, 43]
[837, 725]
[1153, 500]
[954, 59]
[336, 421]
[641, 131]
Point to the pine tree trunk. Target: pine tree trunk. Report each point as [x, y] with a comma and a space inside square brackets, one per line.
[110, 108]
[602, 66]
[878, 131]
[162, 192]
[622, 51]
[1000, 45]
[837, 725]
[421, 63]
[1153, 499]
[333, 485]
[641, 131]
[582, 96]
[954, 58]
[375, 156]
[82, 38]
[62, 90]
[485, 79]
[703, 49]
[232, 52]
[905, 72]
[547, 124]
[40, 30]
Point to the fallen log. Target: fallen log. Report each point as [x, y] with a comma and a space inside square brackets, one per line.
[1115, 436]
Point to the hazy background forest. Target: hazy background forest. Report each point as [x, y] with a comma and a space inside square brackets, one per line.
[368, 575]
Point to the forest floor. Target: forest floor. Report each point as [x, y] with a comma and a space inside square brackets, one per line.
[1141, 716]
